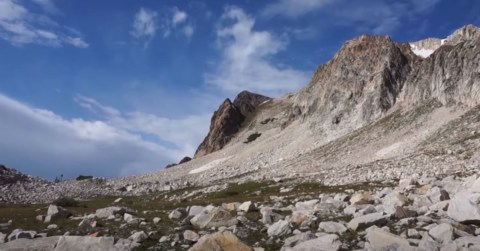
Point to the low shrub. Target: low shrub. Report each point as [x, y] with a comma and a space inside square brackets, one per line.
[252, 137]
[66, 202]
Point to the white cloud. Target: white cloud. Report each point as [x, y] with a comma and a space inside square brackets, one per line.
[178, 17]
[294, 8]
[42, 143]
[185, 133]
[246, 58]
[144, 24]
[19, 26]
[147, 22]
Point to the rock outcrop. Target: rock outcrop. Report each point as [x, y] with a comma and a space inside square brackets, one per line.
[247, 102]
[227, 120]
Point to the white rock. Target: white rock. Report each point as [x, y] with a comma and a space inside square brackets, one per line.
[269, 216]
[404, 183]
[361, 199]
[190, 235]
[298, 238]
[163, 239]
[109, 212]
[367, 220]
[332, 227]
[303, 218]
[279, 228]
[20, 234]
[246, 206]
[381, 240]
[2, 237]
[47, 243]
[117, 200]
[428, 243]
[52, 226]
[327, 242]
[56, 212]
[213, 217]
[393, 200]
[156, 220]
[138, 236]
[464, 206]
[177, 214]
[194, 210]
[127, 217]
[69, 243]
[442, 233]
[306, 205]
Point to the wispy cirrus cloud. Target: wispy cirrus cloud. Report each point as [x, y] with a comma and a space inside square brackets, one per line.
[294, 8]
[246, 62]
[147, 22]
[20, 26]
[377, 16]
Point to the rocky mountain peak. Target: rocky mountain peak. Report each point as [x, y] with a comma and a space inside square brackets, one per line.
[228, 119]
[362, 81]
[426, 47]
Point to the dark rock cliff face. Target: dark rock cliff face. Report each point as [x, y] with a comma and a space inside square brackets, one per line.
[224, 124]
[247, 102]
[227, 120]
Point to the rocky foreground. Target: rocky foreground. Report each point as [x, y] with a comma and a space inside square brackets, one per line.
[419, 213]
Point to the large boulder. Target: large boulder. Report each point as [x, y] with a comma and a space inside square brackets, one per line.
[37, 244]
[279, 228]
[381, 240]
[442, 233]
[74, 243]
[108, 212]
[361, 199]
[139, 236]
[464, 207]
[223, 240]
[213, 217]
[55, 212]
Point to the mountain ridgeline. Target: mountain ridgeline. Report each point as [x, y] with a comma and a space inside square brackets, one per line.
[368, 77]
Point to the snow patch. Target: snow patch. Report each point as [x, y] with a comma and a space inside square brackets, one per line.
[424, 53]
[210, 165]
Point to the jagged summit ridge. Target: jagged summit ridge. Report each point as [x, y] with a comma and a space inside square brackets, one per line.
[426, 47]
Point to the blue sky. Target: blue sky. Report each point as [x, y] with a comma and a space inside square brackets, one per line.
[111, 88]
